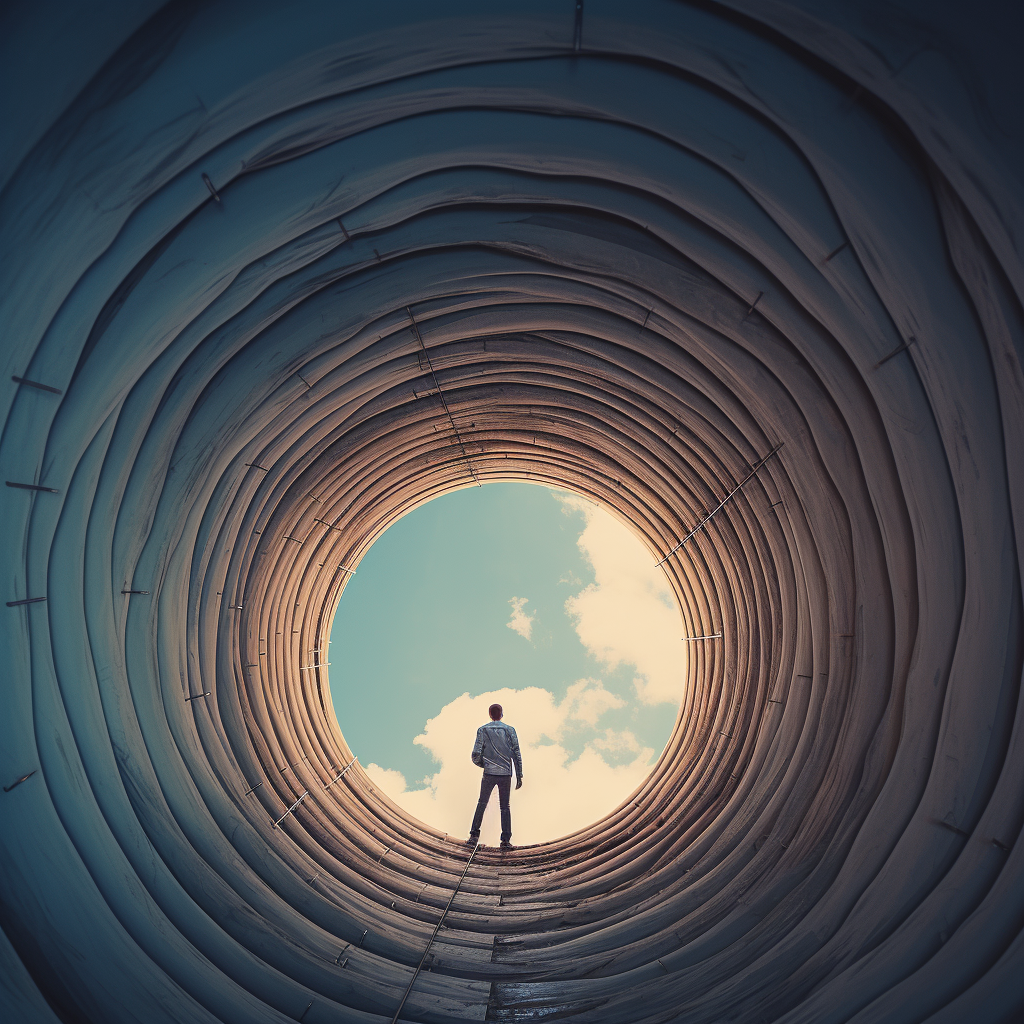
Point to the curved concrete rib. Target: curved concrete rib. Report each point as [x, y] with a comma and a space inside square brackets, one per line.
[280, 273]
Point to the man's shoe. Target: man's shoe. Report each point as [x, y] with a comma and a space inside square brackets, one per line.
[473, 840]
[506, 846]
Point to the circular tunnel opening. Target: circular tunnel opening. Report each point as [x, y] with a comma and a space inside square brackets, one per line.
[524, 596]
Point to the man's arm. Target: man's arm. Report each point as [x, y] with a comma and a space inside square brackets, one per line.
[517, 757]
[478, 749]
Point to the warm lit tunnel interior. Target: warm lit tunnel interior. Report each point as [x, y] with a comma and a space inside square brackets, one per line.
[275, 274]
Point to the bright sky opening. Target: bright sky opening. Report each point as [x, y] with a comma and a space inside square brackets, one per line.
[524, 596]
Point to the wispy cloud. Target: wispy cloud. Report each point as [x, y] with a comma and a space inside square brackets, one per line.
[560, 795]
[617, 743]
[520, 621]
[628, 615]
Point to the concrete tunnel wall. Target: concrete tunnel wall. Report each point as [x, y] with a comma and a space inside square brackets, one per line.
[287, 271]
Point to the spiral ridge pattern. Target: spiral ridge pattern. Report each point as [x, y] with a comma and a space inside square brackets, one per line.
[745, 275]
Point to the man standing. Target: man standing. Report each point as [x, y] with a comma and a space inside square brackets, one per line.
[495, 750]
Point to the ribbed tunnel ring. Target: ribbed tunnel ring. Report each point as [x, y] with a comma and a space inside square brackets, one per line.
[279, 276]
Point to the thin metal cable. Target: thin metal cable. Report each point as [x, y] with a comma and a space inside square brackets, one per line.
[433, 935]
[720, 505]
[440, 394]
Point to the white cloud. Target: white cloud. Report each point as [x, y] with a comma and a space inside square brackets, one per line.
[617, 742]
[520, 621]
[560, 794]
[628, 615]
[586, 701]
[387, 779]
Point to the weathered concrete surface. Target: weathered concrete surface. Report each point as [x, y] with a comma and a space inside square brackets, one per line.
[636, 249]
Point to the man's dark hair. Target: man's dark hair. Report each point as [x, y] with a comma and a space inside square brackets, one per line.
[495, 712]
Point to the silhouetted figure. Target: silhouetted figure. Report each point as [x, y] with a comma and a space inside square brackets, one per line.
[496, 750]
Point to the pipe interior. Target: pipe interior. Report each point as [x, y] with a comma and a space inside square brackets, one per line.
[288, 272]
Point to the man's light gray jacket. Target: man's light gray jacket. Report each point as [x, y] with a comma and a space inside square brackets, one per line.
[496, 748]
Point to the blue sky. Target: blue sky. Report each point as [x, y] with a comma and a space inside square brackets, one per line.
[428, 619]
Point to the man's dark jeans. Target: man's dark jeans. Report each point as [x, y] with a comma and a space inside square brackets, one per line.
[487, 783]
